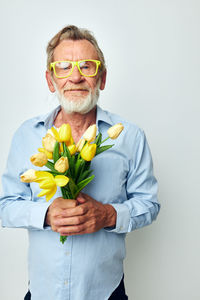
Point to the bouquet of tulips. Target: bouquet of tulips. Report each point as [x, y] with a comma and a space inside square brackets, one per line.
[68, 163]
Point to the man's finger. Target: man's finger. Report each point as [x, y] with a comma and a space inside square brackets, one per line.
[71, 230]
[70, 221]
[76, 211]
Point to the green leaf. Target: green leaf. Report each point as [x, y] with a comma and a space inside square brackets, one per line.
[82, 168]
[82, 184]
[72, 187]
[98, 139]
[103, 148]
[56, 154]
[84, 175]
[77, 168]
[50, 165]
[67, 154]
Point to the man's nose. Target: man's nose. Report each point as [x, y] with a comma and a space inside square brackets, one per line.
[76, 75]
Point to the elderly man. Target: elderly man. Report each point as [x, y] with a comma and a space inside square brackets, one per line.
[121, 198]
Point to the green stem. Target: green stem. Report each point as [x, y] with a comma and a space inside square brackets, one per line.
[62, 237]
[104, 140]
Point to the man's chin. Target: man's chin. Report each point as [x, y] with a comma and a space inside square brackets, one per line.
[76, 98]
[78, 105]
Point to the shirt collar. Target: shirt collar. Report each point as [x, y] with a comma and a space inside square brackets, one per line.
[48, 119]
[103, 116]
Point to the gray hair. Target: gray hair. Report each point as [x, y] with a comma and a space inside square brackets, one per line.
[74, 33]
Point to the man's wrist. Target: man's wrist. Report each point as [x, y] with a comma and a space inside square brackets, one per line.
[46, 220]
[111, 216]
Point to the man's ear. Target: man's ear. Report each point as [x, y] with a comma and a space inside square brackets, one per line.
[103, 80]
[49, 81]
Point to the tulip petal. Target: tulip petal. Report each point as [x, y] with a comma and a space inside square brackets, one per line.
[56, 134]
[90, 134]
[48, 154]
[28, 176]
[88, 152]
[72, 149]
[65, 132]
[61, 180]
[48, 142]
[42, 175]
[49, 193]
[43, 192]
[39, 159]
[115, 130]
[47, 184]
[80, 145]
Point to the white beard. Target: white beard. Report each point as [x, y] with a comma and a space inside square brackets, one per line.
[82, 105]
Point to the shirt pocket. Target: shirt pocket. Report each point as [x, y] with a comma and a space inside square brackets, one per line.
[109, 185]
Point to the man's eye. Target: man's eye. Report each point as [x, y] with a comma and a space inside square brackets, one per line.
[64, 65]
[84, 65]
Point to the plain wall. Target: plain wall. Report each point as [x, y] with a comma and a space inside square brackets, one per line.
[152, 54]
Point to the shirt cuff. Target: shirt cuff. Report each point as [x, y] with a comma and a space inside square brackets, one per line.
[38, 214]
[123, 218]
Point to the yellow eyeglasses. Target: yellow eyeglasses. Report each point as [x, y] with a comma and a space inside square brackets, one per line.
[86, 67]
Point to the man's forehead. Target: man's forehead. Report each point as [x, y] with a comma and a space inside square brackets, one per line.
[75, 50]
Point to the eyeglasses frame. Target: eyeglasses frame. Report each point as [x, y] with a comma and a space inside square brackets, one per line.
[75, 63]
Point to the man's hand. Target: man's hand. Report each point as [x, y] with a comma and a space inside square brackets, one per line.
[57, 210]
[87, 217]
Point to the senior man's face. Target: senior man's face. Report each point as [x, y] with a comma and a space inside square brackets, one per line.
[76, 93]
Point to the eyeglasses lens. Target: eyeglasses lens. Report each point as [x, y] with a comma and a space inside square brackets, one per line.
[64, 68]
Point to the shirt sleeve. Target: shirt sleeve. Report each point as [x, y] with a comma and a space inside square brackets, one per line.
[141, 207]
[17, 208]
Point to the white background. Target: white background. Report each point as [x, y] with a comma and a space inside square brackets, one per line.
[152, 52]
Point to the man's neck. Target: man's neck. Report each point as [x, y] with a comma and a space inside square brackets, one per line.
[78, 122]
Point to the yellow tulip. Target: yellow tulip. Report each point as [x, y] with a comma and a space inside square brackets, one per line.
[72, 149]
[48, 142]
[48, 183]
[39, 159]
[62, 164]
[88, 152]
[48, 154]
[28, 176]
[79, 145]
[63, 133]
[90, 134]
[115, 130]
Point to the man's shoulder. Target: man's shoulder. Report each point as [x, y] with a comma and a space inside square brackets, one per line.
[29, 128]
[30, 123]
[34, 122]
[129, 126]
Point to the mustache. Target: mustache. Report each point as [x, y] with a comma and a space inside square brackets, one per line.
[76, 87]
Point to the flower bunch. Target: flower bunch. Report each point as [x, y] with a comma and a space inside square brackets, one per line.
[68, 163]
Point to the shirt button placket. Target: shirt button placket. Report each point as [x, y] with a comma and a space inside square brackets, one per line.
[67, 266]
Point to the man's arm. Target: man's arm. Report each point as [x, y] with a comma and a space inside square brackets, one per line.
[16, 206]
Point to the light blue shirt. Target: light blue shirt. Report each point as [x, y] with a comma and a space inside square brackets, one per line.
[90, 266]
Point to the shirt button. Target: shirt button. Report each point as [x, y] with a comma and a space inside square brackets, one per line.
[67, 253]
[121, 227]
[66, 282]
